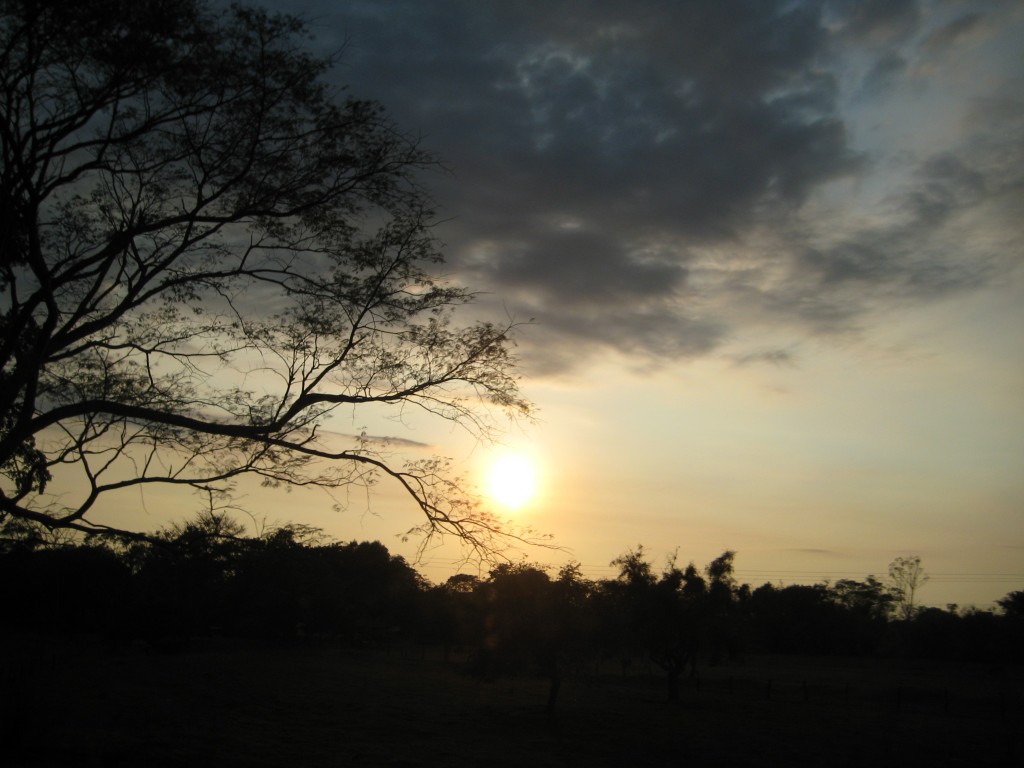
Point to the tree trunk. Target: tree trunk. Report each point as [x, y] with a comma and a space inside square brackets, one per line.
[672, 678]
[554, 687]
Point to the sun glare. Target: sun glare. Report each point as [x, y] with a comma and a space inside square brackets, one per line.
[512, 480]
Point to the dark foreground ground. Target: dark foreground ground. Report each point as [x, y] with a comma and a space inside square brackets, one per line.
[225, 704]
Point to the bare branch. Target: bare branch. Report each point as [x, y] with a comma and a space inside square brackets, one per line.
[205, 253]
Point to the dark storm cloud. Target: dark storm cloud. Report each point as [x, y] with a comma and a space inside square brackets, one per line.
[946, 36]
[584, 267]
[653, 336]
[926, 251]
[945, 185]
[909, 257]
[886, 69]
[596, 148]
[879, 21]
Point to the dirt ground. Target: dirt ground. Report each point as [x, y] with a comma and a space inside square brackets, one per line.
[220, 703]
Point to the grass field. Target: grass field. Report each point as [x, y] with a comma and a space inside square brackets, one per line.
[226, 704]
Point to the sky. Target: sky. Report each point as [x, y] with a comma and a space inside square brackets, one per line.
[768, 256]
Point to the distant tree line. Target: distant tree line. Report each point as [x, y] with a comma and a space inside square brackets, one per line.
[206, 578]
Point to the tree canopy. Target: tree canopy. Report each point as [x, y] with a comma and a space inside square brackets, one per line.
[206, 250]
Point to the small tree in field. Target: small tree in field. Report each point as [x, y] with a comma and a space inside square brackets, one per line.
[206, 252]
[907, 576]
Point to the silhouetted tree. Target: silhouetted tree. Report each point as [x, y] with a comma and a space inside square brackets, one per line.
[722, 626]
[672, 617]
[866, 606]
[67, 588]
[798, 618]
[1012, 605]
[355, 593]
[907, 576]
[574, 624]
[455, 609]
[870, 597]
[204, 253]
[675, 623]
[518, 610]
[935, 633]
[532, 622]
[622, 608]
[183, 576]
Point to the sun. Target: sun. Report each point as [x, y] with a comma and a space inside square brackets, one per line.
[512, 480]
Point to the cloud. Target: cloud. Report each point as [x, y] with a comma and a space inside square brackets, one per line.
[376, 441]
[601, 152]
[815, 551]
[583, 267]
[781, 358]
[883, 73]
[946, 36]
[945, 184]
[878, 22]
[388, 441]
